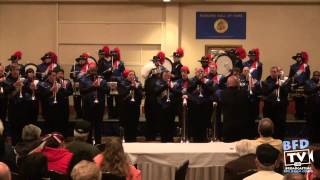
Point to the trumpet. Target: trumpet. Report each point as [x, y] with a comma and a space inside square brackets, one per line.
[250, 81]
[200, 90]
[96, 100]
[168, 91]
[132, 90]
[55, 93]
[21, 79]
[1, 88]
[34, 82]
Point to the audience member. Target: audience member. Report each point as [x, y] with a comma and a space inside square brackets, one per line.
[266, 160]
[4, 172]
[34, 167]
[81, 134]
[86, 170]
[265, 130]
[115, 161]
[30, 141]
[6, 151]
[315, 166]
[58, 156]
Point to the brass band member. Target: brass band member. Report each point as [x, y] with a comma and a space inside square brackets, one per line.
[49, 63]
[255, 67]
[93, 89]
[299, 73]
[130, 95]
[165, 106]
[31, 97]
[182, 91]
[105, 63]
[177, 55]
[67, 90]
[200, 105]
[77, 71]
[53, 96]
[312, 89]
[117, 70]
[15, 58]
[150, 100]
[16, 111]
[275, 101]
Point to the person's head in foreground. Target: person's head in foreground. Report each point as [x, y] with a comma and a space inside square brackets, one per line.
[54, 140]
[265, 127]
[81, 130]
[4, 172]
[233, 82]
[267, 157]
[86, 170]
[115, 160]
[30, 133]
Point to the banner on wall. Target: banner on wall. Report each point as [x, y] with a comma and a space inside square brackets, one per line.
[221, 25]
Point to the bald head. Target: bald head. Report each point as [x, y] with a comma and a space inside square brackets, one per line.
[233, 81]
[265, 127]
[4, 172]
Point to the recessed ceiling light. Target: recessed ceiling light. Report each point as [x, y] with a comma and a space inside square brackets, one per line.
[166, 0]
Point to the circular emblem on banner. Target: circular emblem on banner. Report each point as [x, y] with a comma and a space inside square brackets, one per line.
[221, 25]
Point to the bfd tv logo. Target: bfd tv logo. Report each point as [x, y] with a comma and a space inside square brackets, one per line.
[297, 157]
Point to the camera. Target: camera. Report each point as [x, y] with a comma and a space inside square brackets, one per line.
[114, 54]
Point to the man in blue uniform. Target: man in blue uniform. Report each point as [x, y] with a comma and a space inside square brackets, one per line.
[299, 73]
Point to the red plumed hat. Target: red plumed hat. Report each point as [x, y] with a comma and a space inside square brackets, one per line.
[51, 55]
[185, 69]
[117, 50]
[241, 53]
[305, 56]
[161, 56]
[126, 72]
[210, 57]
[104, 51]
[16, 56]
[255, 52]
[179, 53]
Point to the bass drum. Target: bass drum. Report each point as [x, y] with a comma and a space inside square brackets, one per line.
[224, 65]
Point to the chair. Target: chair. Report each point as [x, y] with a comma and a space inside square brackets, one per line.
[109, 176]
[57, 176]
[181, 171]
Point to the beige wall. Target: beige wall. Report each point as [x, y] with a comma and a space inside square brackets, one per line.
[278, 30]
[140, 30]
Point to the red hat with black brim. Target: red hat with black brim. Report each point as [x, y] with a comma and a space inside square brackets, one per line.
[204, 59]
[83, 56]
[16, 56]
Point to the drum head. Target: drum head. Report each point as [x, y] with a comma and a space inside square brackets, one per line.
[224, 64]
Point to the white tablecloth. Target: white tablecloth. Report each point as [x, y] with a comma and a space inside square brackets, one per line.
[159, 160]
